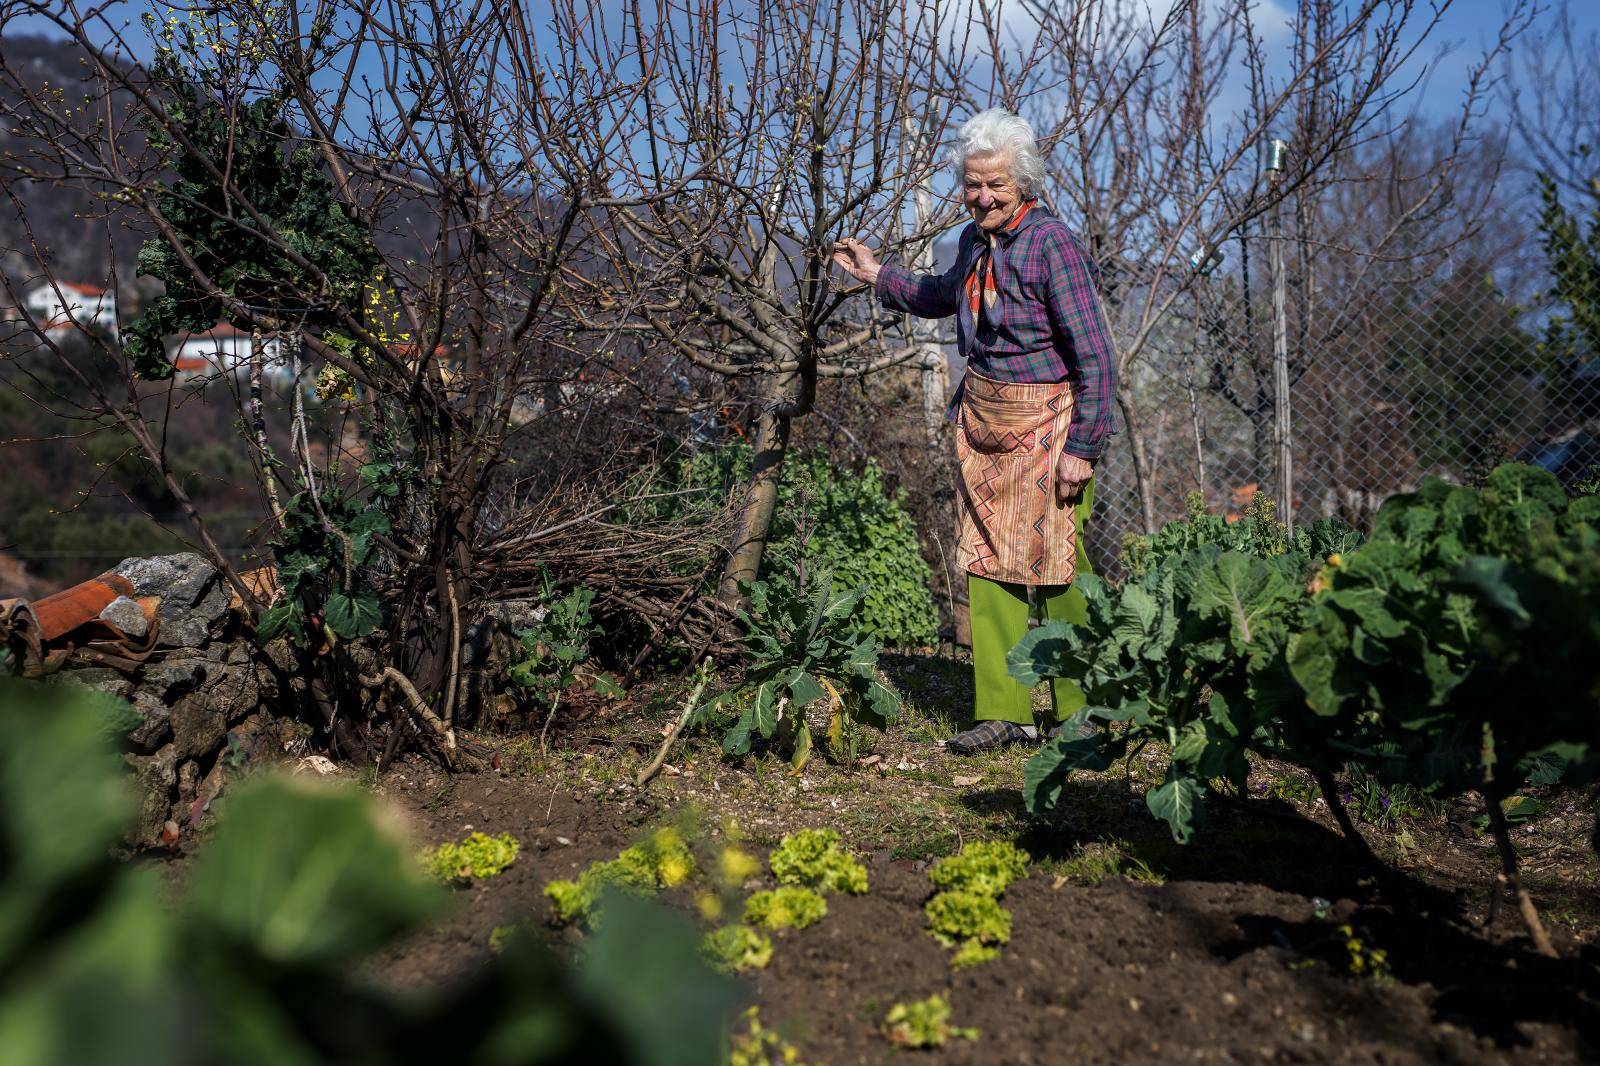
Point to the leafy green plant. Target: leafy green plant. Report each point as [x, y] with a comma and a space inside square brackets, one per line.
[984, 866]
[959, 918]
[784, 908]
[923, 1023]
[328, 249]
[736, 948]
[760, 1046]
[325, 555]
[1191, 654]
[799, 650]
[556, 647]
[478, 857]
[829, 517]
[662, 859]
[814, 858]
[1257, 532]
[260, 956]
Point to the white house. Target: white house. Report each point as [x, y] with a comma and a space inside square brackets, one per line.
[56, 306]
[225, 348]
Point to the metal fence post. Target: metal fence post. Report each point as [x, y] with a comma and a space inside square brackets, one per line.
[1281, 431]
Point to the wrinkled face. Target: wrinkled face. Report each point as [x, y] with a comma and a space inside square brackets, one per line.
[989, 191]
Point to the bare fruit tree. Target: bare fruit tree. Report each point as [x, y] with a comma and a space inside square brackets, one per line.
[801, 121]
[374, 191]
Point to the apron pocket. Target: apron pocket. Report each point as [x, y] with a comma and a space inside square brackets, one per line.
[1001, 427]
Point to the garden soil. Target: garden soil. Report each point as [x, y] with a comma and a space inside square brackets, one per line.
[1238, 962]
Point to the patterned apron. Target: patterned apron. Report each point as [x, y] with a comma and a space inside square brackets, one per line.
[1008, 441]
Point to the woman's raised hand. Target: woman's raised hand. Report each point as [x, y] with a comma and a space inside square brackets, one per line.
[857, 260]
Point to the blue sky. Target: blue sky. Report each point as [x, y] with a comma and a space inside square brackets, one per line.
[1465, 31]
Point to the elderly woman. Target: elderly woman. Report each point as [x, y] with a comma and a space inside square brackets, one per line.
[1032, 414]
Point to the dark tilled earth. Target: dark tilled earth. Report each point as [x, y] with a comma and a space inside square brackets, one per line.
[1124, 949]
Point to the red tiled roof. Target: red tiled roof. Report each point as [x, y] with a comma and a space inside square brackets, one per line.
[81, 289]
[216, 332]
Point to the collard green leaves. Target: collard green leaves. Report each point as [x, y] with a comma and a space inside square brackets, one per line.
[1451, 651]
[801, 650]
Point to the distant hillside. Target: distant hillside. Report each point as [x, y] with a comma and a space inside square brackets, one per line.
[72, 226]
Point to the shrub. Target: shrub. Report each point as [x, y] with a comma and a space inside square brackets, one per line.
[813, 857]
[830, 517]
[476, 857]
[784, 908]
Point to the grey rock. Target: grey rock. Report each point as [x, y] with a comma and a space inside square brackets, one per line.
[198, 726]
[152, 576]
[188, 782]
[239, 653]
[236, 695]
[176, 675]
[100, 678]
[127, 616]
[155, 776]
[193, 595]
[155, 723]
[281, 654]
[193, 581]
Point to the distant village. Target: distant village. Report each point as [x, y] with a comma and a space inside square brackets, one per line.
[59, 307]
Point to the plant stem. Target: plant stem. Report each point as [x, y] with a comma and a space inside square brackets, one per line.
[1513, 878]
[1330, 796]
[689, 705]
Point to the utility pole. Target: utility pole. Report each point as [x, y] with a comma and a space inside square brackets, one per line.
[1277, 157]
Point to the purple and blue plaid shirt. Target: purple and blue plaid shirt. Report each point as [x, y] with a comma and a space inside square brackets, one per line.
[1045, 325]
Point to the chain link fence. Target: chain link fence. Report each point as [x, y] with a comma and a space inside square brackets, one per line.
[1394, 373]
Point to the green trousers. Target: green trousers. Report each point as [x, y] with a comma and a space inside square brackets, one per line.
[998, 612]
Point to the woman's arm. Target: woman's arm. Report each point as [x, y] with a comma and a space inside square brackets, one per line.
[923, 295]
[1076, 315]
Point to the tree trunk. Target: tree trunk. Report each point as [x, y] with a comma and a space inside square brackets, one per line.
[761, 496]
[1142, 474]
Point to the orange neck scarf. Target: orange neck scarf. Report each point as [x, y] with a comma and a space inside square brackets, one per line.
[980, 283]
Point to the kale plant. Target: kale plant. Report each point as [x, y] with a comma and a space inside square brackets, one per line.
[799, 650]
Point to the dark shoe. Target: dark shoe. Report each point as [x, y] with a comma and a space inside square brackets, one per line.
[986, 735]
[1079, 725]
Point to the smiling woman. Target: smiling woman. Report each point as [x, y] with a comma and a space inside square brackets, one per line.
[1033, 414]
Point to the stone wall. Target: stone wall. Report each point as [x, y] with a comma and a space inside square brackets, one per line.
[203, 699]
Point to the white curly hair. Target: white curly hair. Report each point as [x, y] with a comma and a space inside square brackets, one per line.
[1004, 133]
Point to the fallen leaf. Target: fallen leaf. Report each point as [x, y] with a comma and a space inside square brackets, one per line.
[965, 782]
[320, 765]
[871, 760]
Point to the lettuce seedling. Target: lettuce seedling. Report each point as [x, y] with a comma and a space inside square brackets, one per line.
[478, 856]
[923, 1023]
[813, 858]
[786, 907]
[736, 948]
[984, 867]
[958, 917]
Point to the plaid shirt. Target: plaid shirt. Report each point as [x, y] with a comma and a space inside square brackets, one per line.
[1045, 325]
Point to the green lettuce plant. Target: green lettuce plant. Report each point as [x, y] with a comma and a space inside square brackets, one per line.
[983, 866]
[787, 907]
[923, 1023]
[815, 858]
[475, 858]
[736, 948]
